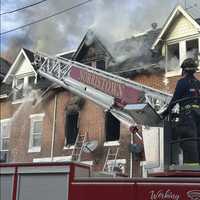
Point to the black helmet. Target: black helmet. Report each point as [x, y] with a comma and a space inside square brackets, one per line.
[189, 64]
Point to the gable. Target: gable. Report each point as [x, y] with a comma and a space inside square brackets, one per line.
[24, 68]
[92, 53]
[181, 27]
[90, 49]
[176, 26]
[21, 67]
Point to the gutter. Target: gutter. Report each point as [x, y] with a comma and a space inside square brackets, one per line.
[3, 96]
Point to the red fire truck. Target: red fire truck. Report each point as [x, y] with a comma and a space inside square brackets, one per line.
[132, 104]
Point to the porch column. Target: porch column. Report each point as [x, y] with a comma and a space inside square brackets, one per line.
[182, 51]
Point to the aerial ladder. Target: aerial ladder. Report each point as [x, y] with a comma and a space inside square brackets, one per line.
[132, 103]
[118, 95]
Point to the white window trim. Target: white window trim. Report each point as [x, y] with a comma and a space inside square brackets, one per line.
[7, 120]
[54, 159]
[37, 116]
[25, 85]
[176, 73]
[34, 149]
[34, 117]
[111, 143]
[69, 147]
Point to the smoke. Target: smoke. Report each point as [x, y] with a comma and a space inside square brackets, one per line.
[113, 20]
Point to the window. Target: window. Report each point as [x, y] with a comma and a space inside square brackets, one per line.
[100, 65]
[5, 126]
[192, 48]
[22, 87]
[35, 132]
[112, 127]
[173, 57]
[71, 127]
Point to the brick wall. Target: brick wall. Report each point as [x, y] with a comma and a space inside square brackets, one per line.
[91, 121]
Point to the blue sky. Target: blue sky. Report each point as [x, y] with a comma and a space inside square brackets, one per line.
[113, 17]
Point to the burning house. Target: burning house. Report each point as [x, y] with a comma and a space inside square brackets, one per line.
[44, 122]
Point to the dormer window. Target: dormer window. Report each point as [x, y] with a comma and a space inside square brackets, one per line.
[19, 83]
[22, 87]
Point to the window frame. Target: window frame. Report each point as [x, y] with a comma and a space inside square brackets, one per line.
[35, 118]
[109, 134]
[8, 123]
[24, 87]
[67, 115]
[178, 71]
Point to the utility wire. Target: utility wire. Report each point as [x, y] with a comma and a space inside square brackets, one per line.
[45, 18]
[28, 6]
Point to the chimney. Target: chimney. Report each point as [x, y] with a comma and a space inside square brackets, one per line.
[154, 25]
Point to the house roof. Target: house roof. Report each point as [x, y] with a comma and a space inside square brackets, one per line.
[29, 54]
[67, 55]
[5, 90]
[178, 9]
[135, 53]
[4, 67]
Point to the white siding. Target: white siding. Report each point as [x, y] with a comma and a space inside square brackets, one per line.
[181, 28]
[24, 68]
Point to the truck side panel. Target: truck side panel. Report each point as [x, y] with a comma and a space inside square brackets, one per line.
[182, 189]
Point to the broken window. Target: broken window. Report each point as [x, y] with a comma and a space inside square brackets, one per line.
[22, 87]
[112, 127]
[100, 64]
[192, 48]
[71, 127]
[173, 57]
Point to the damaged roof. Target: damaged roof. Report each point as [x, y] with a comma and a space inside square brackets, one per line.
[29, 54]
[4, 67]
[66, 55]
[135, 53]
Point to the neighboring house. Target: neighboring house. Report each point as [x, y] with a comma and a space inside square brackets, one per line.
[5, 121]
[45, 120]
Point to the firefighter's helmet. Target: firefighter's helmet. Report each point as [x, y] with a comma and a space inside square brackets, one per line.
[189, 64]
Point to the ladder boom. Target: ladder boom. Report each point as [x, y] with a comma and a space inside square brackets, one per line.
[81, 77]
[107, 90]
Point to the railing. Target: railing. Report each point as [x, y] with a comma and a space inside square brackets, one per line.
[173, 140]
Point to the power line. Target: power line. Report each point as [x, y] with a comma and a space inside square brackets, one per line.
[45, 18]
[28, 6]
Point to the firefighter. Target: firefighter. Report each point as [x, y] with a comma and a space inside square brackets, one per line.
[188, 125]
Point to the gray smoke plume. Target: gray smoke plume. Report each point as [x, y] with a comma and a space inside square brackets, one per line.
[113, 20]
